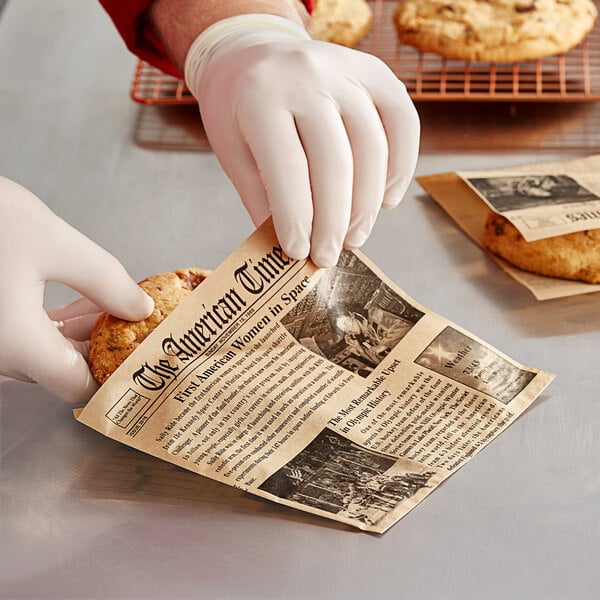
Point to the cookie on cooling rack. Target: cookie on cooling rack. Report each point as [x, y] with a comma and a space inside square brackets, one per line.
[113, 340]
[571, 256]
[344, 22]
[494, 30]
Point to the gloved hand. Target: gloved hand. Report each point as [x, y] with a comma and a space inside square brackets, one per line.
[318, 135]
[36, 246]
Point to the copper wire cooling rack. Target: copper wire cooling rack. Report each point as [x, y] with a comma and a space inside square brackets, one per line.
[571, 76]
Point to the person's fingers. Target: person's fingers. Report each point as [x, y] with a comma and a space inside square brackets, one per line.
[281, 161]
[77, 328]
[83, 265]
[239, 165]
[325, 142]
[78, 308]
[322, 151]
[81, 346]
[247, 182]
[48, 358]
[401, 123]
[370, 154]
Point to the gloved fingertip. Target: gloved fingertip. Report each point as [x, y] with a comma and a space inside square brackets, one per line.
[391, 201]
[298, 249]
[83, 394]
[141, 308]
[69, 376]
[395, 192]
[325, 261]
[355, 238]
[85, 386]
[147, 306]
[293, 235]
[326, 256]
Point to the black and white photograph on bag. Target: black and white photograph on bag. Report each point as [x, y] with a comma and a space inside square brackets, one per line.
[336, 475]
[505, 194]
[466, 361]
[351, 317]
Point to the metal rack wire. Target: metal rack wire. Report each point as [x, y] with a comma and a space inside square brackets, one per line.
[574, 76]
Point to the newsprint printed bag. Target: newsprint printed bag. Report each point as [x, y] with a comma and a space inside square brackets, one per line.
[327, 390]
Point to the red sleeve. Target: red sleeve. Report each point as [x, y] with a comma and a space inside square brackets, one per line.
[127, 19]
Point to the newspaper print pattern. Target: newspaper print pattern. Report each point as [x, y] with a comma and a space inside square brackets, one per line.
[336, 475]
[351, 317]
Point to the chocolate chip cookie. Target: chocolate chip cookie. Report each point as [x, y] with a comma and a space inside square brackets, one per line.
[494, 30]
[571, 256]
[113, 339]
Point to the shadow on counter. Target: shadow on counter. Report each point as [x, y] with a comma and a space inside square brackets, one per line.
[177, 127]
[505, 126]
[118, 472]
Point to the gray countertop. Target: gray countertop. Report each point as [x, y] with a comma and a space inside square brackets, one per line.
[521, 520]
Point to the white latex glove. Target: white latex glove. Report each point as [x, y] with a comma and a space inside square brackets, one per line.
[37, 246]
[317, 135]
